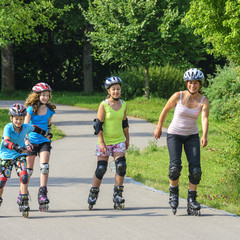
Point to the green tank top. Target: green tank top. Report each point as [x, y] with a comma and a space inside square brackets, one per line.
[112, 127]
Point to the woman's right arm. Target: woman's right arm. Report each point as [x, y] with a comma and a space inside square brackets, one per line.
[171, 103]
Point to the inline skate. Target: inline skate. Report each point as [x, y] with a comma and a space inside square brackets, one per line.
[23, 205]
[117, 198]
[93, 196]
[43, 200]
[193, 207]
[173, 198]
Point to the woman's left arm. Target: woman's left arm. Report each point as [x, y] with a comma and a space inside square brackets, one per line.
[205, 114]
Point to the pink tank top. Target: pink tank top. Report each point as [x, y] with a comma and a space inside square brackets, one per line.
[184, 120]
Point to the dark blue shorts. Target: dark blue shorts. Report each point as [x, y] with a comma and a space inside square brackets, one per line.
[37, 148]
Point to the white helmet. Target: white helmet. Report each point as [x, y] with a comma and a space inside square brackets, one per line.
[193, 74]
[111, 81]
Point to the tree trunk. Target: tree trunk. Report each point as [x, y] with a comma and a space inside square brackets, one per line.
[87, 67]
[147, 82]
[8, 79]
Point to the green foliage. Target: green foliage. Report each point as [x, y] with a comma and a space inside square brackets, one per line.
[223, 92]
[141, 33]
[164, 81]
[133, 82]
[18, 19]
[218, 23]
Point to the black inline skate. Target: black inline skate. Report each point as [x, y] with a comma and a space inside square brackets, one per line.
[193, 207]
[93, 196]
[117, 197]
[23, 205]
[43, 200]
[173, 198]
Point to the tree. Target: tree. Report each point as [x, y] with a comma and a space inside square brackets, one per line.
[141, 33]
[18, 21]
[218, 23]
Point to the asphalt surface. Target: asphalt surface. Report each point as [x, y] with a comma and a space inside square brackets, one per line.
[147, 214]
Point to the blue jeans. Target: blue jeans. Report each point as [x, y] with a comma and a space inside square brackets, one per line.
[191, 145]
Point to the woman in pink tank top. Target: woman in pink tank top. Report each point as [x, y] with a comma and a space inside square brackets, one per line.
[183, 131]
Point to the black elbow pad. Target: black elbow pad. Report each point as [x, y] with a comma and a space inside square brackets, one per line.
[125, 123]
[97, 125]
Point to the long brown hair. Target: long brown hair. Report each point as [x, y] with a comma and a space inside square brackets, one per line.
[33, 100]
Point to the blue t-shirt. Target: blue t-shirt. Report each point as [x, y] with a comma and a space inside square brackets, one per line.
[15, 137]
[42, 122]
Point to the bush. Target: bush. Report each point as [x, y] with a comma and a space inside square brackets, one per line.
[133, 82]
[223, 92]
[164, 81]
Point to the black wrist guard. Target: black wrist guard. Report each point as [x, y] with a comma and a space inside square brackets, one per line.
[40, 131]
[18, 149]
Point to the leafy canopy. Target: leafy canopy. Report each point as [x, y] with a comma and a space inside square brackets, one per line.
[218, 22]
[19, 18]
[140, 32]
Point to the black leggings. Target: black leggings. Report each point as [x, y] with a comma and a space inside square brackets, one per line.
[191, 147]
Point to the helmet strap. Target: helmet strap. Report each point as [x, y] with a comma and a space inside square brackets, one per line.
[17, 128]
[192, 93]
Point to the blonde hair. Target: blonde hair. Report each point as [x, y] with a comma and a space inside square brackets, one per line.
[33, 101]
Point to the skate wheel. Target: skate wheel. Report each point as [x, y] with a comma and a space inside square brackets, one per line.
[25, 214]
[43, 208]
[119, 206]
[197, 213]
[188, 212]
[90, 207]
[174, 210]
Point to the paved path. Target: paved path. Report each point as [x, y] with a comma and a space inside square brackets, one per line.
[146, 216]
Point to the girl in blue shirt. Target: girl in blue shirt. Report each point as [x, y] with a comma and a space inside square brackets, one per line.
[40, 112]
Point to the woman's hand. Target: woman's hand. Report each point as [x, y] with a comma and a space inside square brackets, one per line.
[157, 133]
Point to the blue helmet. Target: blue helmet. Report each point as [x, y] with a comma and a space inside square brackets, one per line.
[193, 74]
[111, 81]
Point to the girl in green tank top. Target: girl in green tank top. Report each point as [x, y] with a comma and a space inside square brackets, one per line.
[111, 126]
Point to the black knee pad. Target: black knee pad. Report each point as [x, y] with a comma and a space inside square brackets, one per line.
[195, 175]
[101, 169]
[121, 166]
[174, 172]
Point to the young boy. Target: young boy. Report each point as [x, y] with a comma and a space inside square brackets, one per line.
[13, 152]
